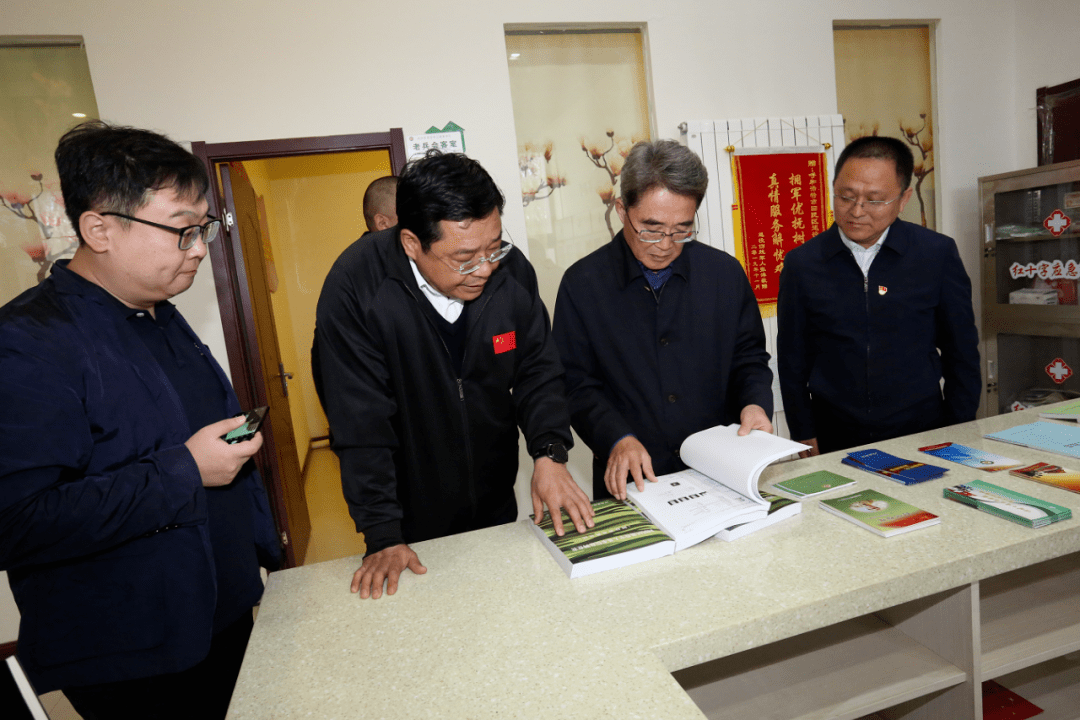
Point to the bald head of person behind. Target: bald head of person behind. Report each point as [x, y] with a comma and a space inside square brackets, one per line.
[380, 204]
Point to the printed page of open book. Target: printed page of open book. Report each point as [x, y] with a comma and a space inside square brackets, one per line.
[691, 507]
[736, 461]
[720, 489]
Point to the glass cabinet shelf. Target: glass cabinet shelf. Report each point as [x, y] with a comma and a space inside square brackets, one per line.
[1030, 276]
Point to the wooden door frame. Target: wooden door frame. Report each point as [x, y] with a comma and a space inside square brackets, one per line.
[1044, 120]
[230, 276]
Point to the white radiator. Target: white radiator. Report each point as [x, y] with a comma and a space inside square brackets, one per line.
[709, 139]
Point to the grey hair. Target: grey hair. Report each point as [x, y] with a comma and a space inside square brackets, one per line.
[665, 164]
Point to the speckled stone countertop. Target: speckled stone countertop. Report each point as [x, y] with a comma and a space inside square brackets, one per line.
[495, 629]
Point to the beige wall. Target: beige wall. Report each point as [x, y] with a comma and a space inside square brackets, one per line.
[256, 70]
[1047, 54]
[707, 60]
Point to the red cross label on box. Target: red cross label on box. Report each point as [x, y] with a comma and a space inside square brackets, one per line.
[1058, 371]
[1057, 223]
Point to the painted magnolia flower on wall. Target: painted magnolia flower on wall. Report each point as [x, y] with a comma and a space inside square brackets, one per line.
[46, 210]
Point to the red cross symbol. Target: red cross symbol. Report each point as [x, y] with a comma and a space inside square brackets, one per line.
[1057, 223]
[1058, 371]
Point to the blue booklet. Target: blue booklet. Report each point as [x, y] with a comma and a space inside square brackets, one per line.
[972, 457]
[903, 471]
[1050, 436]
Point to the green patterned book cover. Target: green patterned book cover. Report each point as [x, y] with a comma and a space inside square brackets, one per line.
[621, 536]
[1008, 504]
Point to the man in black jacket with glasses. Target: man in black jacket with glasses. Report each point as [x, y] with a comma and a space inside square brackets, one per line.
[432, 347]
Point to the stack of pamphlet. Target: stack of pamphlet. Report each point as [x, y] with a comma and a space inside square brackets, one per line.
[972, 457]
[1054, 437]
[907, 472]
[1008, 504]
[814, 483]
[1050, 475]
[879, 513]
[1065, 412]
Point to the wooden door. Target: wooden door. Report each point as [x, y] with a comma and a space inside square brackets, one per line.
[281, 466]
[251, 376]
[1058, 123]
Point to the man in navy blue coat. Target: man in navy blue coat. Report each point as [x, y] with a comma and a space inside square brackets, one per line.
[660, 335]
[873, 313]
[132, 533]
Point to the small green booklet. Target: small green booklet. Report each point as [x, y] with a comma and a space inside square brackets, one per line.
[879, 513]
[1065, 412]
[1008, 504]
[815, 483]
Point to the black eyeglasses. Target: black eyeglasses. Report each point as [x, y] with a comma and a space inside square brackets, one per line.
[188, 235]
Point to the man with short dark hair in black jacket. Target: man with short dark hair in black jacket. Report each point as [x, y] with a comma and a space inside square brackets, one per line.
[432, 347]
[873, 314]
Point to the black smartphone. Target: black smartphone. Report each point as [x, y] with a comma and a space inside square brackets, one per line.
[247, 431]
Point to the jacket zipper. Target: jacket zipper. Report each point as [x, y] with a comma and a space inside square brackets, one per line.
[464, 413]
[461, 396]
[866, 300]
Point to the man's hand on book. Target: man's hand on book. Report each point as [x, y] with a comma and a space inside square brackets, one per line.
[553, 486]
[753, 417]
[812, 442]
[385, 566]
[628, 456]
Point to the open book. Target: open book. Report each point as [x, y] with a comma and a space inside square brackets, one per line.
[780, 508]
[721, 488]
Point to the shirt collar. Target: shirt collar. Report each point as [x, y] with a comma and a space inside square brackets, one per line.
[656, 278]
[447, 307]
[856, 248]
[74, 283]
[633, 269]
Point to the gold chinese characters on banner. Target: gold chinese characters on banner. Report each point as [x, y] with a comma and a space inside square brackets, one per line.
[781, 201]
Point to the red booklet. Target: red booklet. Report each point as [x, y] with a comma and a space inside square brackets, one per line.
[1001, 703]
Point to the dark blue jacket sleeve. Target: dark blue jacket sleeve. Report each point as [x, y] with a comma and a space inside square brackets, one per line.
[360, 402]
[958, 341]
[539, 393]
[596, 420]
[50, 510]
[792, 356]
[751, 378]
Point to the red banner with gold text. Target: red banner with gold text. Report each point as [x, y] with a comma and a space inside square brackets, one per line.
[781, 201]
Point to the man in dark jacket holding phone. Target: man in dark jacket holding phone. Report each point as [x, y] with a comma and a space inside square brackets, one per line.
[132, 533]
